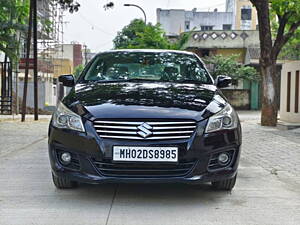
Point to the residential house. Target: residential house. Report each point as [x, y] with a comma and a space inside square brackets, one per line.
[176, 21]
[239, 15]
[66, 57]
[244, 14]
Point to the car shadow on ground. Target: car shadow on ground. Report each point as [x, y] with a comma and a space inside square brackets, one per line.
[173, 194]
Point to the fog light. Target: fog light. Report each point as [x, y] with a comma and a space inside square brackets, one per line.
[65, 158]
[223, 158]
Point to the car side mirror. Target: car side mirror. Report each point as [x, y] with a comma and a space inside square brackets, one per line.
[67, 80]
[223, 81]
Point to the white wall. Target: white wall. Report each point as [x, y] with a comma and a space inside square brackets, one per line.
[215, 19]
[173, 20]
[30, 95]
[291, 116]
[46, 95]
[64, 51]
[231, 7]
[50, 99]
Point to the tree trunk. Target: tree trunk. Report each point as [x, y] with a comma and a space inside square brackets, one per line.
[269, 109]
[267, 65]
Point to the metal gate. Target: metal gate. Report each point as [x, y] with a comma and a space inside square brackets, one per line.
[6, 88]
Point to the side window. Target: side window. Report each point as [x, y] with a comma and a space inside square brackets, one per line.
[226, 26]
[187, 25]
[206, 27]
[246, 13]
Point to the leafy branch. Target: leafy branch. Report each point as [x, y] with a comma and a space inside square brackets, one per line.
[137, 34]
[229, 66]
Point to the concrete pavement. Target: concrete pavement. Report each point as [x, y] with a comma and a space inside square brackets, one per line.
[267, 191]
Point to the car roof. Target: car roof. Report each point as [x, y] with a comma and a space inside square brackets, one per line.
[148, 51]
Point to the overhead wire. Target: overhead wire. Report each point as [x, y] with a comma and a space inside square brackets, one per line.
[212, 6]
[94, 26]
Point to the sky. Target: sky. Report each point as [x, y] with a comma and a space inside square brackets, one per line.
[96, 28]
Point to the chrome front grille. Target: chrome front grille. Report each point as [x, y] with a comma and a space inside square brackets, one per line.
[145, 130]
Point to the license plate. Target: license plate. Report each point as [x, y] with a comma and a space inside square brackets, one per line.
[145, 154]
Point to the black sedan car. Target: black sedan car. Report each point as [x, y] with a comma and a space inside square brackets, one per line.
[145, 116]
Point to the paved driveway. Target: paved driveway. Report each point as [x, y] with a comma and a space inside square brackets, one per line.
[263, 194]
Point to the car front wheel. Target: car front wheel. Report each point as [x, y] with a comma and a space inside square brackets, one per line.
[63, 183]
[226, 185]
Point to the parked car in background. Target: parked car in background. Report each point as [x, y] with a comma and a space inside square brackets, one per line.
[145, 116]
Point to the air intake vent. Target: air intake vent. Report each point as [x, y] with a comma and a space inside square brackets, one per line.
[145, 130]
[144, 170]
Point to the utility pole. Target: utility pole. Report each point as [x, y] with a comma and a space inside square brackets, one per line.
[17, 110]
[35, 56]
[27, 64]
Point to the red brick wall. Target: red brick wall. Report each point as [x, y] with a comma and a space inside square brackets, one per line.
[77, 55]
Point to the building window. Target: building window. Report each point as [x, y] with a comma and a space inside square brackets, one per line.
[246, 14]
[187, 25]
[226, 26]
[206, 27]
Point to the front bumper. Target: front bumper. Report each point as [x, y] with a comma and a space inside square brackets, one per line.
[91, 179]
[88, 148]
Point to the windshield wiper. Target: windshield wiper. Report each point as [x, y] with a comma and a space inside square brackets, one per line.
[190, 81]
[108, 81]
[123, 80]
[140, 79]
[148, 80]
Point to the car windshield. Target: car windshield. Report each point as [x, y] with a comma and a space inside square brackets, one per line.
[152, 66]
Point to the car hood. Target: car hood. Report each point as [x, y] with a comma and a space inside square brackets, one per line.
[144, 100]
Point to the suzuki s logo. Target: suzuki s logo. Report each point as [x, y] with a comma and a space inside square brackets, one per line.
[144, 130]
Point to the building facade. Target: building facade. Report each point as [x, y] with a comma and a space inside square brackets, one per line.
[239, 15]
[176, 21]
[244, 14]
[66, 57]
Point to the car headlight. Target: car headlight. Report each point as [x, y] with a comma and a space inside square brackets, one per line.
[225, 119]
[65, 118]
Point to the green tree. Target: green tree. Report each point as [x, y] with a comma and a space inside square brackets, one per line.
[13, 20]
[71, 5]
[229, 66]
[288, 14]
[140, 35]
[291, 50]
[77, 71]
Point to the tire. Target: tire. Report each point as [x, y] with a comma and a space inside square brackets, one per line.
[63, 183]
[226, 185]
